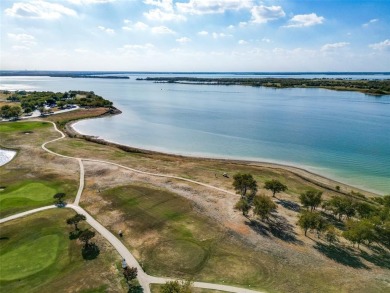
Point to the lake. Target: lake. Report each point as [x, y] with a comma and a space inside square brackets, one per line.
[342, 135]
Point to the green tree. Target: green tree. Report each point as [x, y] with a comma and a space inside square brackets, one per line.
[311, 198]
[275, 186]
[130, 274]
[331, 235]
[263, 207]
[86, 236]
[59, 198]
[75, 220]
[364, 210]
[243, 206]
[342, 206]
[176, 287]
[309, 220]
[243, 183]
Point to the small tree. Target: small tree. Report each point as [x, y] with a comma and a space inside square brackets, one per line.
[130, 274]
[308, 220]
[331, 235]
[275, 186]
[311, 198]
[59, 198]
[243, 206]
[263, 206]
[176, 287]
[86, 236]
[75, 220]
[243, 183]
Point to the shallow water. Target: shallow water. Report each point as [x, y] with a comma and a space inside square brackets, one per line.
[342, 135]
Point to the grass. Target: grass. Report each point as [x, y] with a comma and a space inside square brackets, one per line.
[36, 255]
[28, 194]
[171, 239]
[20, 262]
[22, 126]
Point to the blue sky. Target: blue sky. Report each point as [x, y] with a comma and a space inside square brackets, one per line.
[195, 35]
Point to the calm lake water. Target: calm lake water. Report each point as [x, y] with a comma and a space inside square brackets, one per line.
[342, 135]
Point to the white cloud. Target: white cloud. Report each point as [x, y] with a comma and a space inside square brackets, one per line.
[109, 31]
[212, 6]
[263, 14]
[87, 2]
[22, 40]
[370, 22]
[183, 40]
[334, 46]
[266, 40]
[39, 9]
[242, 42]
[81, 50]
[162, 30]
[220, 35]
[137, 46]
[138, 26]
[203, 33]
[166, 5]
[305, 20]
[382, 46]
[20, 48]
[160, 15]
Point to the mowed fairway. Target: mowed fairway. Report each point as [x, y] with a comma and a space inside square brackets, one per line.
[36, 255]
[33, 177]
[26, 196]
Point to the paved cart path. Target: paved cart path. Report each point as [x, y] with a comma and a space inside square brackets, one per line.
[144, 279]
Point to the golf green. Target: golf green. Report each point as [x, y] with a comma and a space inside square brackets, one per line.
[29, 258]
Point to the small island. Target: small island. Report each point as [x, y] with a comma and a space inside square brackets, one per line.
[371, 87]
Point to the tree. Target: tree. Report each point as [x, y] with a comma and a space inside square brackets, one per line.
[361, 231]
[176, 287]
[309, 220]
[331, 235]
[10, 112]
[86, 236]
[59, 198]
[243, 183]
[263, 206]
[75, 220]
[341, 206]
[365, 210]
[311, 198]
[243, 206]
[275, 185]
[130, 274]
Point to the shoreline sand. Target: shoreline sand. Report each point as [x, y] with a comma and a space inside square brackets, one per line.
[307, 175]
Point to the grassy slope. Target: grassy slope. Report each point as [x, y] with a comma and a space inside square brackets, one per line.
[36, 255]
[173, 240]
[32, 178]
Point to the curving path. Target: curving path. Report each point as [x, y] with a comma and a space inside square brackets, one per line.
[144, 279]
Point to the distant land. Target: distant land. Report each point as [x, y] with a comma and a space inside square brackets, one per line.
[54, 73]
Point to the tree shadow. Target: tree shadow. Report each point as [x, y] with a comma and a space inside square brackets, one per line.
[332, 219]
[74, 234]
[278, 227]
[341, 255]
[290, 205]
[135, 289]
[90, 251]
[378, 259]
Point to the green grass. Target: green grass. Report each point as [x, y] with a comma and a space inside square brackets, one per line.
[22, 126]
[36, 255]
[29, 258]
[30, 194]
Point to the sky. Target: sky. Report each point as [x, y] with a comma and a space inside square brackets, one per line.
[195, 35]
